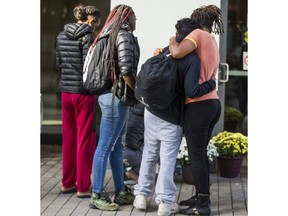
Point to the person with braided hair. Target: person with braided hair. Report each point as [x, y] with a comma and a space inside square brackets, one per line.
[124, 52]
[202, 113]
[78, 136]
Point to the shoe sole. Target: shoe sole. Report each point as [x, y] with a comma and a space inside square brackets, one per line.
[92, 206]
[72, 190]
[166, 214]
[84, 196]
[171, 212]
[140, 207]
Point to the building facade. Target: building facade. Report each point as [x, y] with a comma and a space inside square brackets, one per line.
[155, 25]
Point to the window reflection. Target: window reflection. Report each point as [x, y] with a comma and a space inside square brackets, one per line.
[236, 29]
[236, 91]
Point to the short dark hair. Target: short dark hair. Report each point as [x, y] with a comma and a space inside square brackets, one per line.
[184, 27]
[81, 12]
[92, 10]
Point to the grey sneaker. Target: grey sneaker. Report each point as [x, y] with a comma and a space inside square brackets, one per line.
[140, 202]
[124, 197]
[166, 209]
[102, 202]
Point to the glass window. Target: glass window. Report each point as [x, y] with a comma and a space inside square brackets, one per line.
[54, 15]
[236, 91]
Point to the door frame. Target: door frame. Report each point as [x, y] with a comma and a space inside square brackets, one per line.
[219, 127]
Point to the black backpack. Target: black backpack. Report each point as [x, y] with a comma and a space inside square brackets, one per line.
[157, 81]
[97, 74]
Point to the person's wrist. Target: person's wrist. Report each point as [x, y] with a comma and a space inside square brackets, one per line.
[212, 83]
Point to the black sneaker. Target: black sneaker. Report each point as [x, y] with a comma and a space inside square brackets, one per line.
[191, 201]
[102, 202]
[124, 197]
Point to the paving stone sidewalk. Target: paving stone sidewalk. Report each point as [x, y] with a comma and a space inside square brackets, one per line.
[228, 195]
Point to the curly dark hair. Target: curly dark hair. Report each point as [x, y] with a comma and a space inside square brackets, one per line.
[209, 17]
[185, 26]
[81, 12]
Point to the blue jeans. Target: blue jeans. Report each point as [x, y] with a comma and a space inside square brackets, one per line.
[110, 143]
[161, 139]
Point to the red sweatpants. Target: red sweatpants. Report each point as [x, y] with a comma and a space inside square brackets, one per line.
[78, 140]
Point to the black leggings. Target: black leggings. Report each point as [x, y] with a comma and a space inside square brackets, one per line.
[199, 121]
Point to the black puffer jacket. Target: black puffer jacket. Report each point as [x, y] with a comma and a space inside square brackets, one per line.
[72, 46]
[127, 50]
[134, 137]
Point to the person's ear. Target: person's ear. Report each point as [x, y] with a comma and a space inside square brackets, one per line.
[97, 22]
[90, 22]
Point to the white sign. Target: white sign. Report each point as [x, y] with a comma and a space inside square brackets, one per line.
[245, 60]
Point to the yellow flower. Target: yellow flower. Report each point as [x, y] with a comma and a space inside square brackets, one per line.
[231, 144]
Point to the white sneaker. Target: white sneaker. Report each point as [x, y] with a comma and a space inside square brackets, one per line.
[166, 209]
[140, 202]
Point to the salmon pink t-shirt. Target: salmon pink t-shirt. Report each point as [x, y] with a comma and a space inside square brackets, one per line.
[208, 52]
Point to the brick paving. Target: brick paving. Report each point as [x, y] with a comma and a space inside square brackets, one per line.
[228, 195]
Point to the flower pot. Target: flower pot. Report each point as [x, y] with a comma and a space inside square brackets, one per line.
[187, 174]
[229, 167]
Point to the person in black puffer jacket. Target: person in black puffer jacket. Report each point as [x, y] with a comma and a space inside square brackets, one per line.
[78, 137]
[124, 52]
[134, 141]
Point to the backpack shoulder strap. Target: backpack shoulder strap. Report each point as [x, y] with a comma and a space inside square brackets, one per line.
[165, 50]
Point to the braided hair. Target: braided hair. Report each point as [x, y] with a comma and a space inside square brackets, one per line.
[118, 15]
[209, 17]
[116, 18]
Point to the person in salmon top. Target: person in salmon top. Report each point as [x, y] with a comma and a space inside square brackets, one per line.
[201, 113]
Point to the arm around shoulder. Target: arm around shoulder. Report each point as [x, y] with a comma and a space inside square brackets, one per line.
[179, 50]
[201, 89]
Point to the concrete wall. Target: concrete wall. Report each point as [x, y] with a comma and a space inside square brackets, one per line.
[156, 20]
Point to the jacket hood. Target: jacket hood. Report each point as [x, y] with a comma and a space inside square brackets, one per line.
[108, 29]
[76, 30]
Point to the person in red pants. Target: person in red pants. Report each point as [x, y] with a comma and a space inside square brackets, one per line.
[78, 135]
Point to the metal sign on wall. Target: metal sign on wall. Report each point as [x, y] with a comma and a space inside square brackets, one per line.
[245, 60]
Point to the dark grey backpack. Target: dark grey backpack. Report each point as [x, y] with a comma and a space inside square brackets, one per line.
[157, 81]
[97, 74]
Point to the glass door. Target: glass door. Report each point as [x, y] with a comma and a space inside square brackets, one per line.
[236, 93]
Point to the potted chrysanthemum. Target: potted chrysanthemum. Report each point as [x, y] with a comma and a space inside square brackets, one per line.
[183, 157]
[232, 148]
